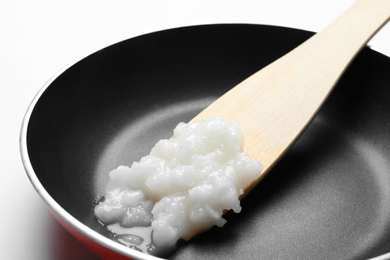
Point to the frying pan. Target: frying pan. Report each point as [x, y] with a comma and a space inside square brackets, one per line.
[328, 198]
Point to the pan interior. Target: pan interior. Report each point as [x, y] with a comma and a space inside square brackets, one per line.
[327, 198]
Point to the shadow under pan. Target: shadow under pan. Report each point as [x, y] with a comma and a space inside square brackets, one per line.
[328, 198]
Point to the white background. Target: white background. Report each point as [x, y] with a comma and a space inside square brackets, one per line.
[40, 37]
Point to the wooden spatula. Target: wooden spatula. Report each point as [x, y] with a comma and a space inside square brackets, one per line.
[277, 103]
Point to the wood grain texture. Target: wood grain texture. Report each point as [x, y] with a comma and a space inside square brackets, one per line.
[277, 103]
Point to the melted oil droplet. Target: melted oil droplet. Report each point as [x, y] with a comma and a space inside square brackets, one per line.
[130, 239]
[137, 238]
[151, 249]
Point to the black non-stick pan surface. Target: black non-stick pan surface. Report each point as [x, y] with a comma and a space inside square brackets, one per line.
[328, 198]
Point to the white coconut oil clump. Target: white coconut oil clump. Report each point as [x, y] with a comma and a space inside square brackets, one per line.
[184, 185]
